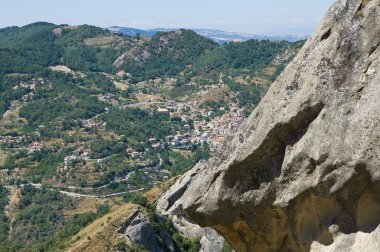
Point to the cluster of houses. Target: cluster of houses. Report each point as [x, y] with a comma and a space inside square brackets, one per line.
[79, 154]
[136, 155]
[35, 146]
[220, 127]
[107, 97]
[32, 147]
[212, 132]
[198, 126]
[10, 139]
[180, 141]
[154, 143]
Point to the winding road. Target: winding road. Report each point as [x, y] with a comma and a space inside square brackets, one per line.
[78, 195]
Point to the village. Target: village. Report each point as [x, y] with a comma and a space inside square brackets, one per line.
[200, 125]
[26, 141]
[195, 125]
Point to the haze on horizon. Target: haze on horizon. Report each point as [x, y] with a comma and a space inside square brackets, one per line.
[296, 17]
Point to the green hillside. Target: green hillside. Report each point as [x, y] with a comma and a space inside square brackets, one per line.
[166, 54]
[84, 111]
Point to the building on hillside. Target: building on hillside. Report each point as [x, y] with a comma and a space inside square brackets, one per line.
[26, 98]
[85, 155]
[135, 155]
[163, 111]
[172, 104]
[156, 145]
[216, 142]
[35, 146]
[70, 159]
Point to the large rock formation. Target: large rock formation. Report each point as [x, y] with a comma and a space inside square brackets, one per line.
[139, 230]
[210, 239]
[303, 171]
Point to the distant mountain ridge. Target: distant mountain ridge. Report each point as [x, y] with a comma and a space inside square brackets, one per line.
[218, 36]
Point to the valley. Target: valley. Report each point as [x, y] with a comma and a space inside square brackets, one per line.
[87, 115]
[190, 140]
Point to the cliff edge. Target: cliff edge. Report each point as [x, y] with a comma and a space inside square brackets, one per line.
[303, 172]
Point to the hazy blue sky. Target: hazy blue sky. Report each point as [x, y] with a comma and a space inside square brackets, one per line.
[250, 16]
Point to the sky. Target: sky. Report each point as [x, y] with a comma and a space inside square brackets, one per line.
[266, 17]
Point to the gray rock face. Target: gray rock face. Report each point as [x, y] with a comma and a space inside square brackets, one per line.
[141, 232]
[138, 230]
[303, 172]
[210, 239]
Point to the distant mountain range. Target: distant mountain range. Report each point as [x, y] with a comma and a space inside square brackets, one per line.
[218, 36]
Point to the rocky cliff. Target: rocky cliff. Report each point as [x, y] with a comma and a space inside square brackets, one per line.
[303, 172]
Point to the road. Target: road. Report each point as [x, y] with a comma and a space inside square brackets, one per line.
[139, 104]
[79, 195]
[89, 196]
[132, 105]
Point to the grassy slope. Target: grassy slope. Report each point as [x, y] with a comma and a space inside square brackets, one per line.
[101, 234]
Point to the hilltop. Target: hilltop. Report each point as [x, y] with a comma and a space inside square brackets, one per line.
[218, 36]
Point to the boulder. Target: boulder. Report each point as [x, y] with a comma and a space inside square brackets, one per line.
[139, 231]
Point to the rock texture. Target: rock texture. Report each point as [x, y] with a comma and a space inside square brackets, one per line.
[138, 230]
[210, 239]
[303, 172]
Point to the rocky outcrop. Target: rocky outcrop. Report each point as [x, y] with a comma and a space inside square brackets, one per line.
[303, 172]
[210, 239]
[137, 229]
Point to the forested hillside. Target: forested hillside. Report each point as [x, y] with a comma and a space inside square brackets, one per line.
[90, 119]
